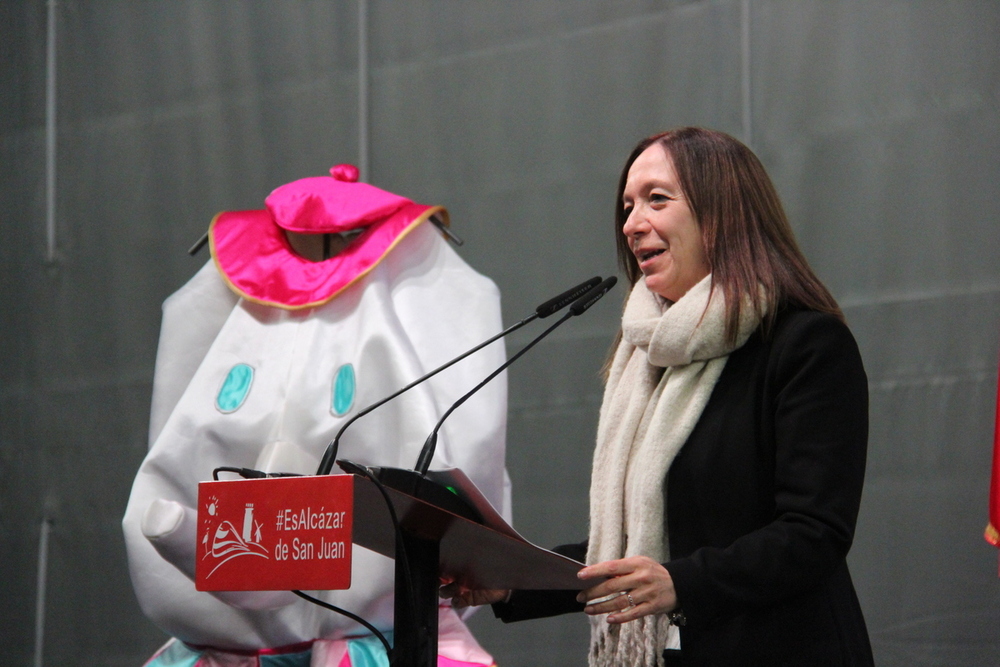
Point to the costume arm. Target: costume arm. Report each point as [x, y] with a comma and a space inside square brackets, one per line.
[816, 393]
[192, 318]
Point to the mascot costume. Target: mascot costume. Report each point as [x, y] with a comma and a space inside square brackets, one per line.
[263, 355]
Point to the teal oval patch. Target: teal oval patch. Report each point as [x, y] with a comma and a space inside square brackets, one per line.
[235, 389]
[344, 386]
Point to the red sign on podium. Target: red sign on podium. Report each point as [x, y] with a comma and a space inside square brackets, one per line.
[284, 533]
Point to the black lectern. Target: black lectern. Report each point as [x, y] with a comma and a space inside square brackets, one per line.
[479, 549]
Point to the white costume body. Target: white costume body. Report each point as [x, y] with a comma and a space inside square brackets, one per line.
[419, 307]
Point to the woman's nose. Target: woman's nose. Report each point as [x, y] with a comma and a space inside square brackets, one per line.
[634, 223]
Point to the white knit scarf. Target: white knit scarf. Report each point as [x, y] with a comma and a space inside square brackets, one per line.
[662, 374]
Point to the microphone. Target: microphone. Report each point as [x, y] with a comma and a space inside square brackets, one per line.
[557, 303]
[592, 296]
[580, 305]
[439, 488]
[551, 306]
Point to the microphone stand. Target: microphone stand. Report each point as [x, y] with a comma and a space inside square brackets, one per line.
[570, 296]
[415, 616]
[415, 621]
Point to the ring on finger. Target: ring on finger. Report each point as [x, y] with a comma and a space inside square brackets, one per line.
[631, 602]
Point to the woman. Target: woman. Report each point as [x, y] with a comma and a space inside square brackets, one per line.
[732, 438]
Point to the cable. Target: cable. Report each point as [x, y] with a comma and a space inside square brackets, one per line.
[401, 551]
[249, 473]
[245, 473]
[353, 617]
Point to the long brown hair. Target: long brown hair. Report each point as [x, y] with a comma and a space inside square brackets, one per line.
[749, 245]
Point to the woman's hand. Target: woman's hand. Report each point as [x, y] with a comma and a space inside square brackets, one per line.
[640, 587]
[462, 597]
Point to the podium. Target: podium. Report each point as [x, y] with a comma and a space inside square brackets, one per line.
[260, 534]
[467, 541]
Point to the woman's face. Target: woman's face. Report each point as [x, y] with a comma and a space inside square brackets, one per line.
[661, 229]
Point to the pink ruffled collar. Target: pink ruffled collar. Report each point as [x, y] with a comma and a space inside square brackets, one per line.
[254, 256]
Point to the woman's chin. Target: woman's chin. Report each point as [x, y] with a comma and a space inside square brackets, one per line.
[656, 285]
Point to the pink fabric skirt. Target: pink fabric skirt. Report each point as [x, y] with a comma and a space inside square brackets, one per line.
[456, 648]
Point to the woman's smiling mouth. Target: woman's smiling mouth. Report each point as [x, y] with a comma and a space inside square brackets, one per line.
[645, 255]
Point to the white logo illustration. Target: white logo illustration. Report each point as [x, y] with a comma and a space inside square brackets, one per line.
[227, 542]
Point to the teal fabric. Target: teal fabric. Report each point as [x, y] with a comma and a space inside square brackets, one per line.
[368, 651]
[289, 660]
[177, 654]
[344, 386]
[235, 389]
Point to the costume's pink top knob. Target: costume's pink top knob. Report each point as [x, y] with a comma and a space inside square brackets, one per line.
[345, 172]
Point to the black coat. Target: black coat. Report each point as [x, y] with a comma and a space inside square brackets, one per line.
[761, 506]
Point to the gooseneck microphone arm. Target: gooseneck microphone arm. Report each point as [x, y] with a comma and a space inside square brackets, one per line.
[330, 456]
[429, 445]
[544, 310]
[581, 304]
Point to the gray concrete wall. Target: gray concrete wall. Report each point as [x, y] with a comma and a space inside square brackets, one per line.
[878, 121]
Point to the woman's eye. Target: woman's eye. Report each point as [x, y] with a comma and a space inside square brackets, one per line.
[658, 197]
[627, 211]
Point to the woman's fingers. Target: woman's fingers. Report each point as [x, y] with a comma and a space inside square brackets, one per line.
[461, 596]
[619, 580]
[449, 590]
[486, 596]
[636, 587]
[604, 589]
[629, 614]
[606, 605]
[610, 568]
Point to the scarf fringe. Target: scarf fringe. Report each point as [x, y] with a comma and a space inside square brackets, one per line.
[639, 643]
